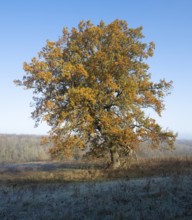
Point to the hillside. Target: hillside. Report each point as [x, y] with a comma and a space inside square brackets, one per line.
[22, 148]
[27, 148]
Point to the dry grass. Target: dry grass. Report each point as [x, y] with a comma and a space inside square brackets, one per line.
[145, 198]
[144, 189]
[68, 172]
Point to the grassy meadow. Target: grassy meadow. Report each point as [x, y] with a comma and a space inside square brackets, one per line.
[158, 185]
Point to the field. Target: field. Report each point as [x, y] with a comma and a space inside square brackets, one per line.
[152, 187]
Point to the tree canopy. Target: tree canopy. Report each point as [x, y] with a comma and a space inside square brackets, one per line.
[92, 87]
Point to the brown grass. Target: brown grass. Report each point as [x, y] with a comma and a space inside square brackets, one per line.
[135, 169]
[143, 189]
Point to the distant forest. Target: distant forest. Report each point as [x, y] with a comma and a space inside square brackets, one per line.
[27, 148]
[22, 148]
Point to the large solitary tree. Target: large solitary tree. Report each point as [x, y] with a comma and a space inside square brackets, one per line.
[92, 87]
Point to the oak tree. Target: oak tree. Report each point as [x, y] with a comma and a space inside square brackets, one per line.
[92, 87]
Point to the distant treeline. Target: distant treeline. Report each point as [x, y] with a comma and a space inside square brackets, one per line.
[22, 148]
[182, 148]
[28, 148]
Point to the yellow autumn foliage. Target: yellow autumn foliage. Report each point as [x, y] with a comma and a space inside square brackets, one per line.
[92, 87]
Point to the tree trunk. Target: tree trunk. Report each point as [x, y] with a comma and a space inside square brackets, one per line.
[115, 162]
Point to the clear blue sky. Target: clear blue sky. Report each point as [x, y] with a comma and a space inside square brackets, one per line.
[26, 25]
